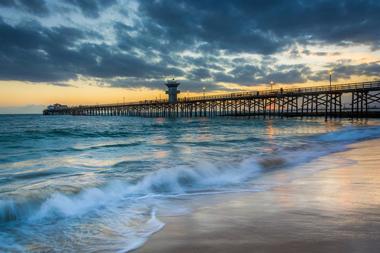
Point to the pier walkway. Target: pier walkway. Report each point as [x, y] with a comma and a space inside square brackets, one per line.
[340, 100]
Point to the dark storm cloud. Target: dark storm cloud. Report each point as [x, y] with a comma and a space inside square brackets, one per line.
[91, 8]
[34, 53]
[151, 47]
[186, 85]
[342, 71]
[199, 74]
[264, 27]
[28, 52]
[250, 75]
[7, 3]
[364, 69]
[216, 23]
[204, 62]
[36, 7]
[337, 22]
[287, 75]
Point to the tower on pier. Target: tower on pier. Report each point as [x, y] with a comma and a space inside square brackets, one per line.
[172, 90]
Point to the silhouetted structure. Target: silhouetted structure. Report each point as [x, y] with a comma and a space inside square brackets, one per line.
[172, 90]
[57, 107]
[362, 101]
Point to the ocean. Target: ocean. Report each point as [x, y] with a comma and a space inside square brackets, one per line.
[100, 184]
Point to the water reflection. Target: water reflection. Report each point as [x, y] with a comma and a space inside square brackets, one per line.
[102, 173]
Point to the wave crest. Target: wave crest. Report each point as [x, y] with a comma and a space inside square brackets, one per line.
[164, 182]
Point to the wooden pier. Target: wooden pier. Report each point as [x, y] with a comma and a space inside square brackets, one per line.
[355, 100]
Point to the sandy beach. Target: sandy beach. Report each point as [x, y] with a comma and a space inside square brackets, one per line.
[333, 209]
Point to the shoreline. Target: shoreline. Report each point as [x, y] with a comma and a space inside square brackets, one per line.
[335, 209]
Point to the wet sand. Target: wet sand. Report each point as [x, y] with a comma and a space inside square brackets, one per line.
[336, 209]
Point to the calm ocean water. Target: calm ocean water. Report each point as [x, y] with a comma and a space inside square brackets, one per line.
[86, 184]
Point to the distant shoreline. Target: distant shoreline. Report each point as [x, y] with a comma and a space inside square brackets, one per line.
[19, 114]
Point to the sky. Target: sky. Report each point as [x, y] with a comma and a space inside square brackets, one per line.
[106, 51]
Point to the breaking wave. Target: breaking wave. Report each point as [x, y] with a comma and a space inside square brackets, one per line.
[164, 182]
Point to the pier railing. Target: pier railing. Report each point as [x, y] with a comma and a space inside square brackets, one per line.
[255, 93]
[311, 89]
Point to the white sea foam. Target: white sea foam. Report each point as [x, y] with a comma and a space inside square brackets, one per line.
[152, 226]
[164, 182]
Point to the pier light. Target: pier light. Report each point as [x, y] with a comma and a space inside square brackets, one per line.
[330, 74]
[204, 92]
[271, 85]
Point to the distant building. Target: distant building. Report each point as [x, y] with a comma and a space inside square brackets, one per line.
[57, 107]
[172, 90]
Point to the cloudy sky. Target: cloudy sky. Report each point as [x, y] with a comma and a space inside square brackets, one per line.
[102, 51]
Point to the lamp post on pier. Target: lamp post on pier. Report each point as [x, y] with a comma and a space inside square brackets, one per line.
[271, 85]
[204, 90]
[330, 73]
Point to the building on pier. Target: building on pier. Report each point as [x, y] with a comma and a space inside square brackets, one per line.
[57, 107]
[172, 90]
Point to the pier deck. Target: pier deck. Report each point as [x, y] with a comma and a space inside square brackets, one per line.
[340, 100]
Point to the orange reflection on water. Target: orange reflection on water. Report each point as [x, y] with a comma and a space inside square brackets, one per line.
[160, 154]
[340, 183]
[270, 132]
